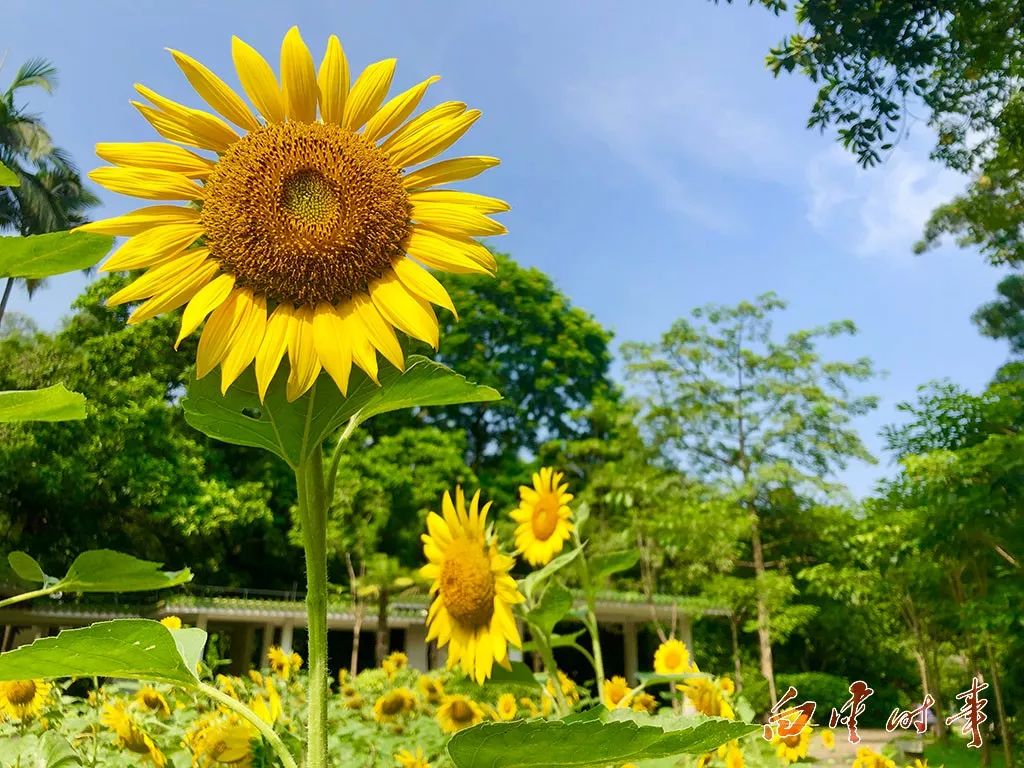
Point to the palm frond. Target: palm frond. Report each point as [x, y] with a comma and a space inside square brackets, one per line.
[37, 72]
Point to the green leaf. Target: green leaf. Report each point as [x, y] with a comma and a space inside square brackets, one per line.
[57, 752]
[529, 583]
[554, 604]
[26, 567]
[54, 403]
[520, 674]
[555, 743]
[580, 516]
[609, 563]
[136, 649]
[39, 256]
[556, 640]
[8, 178]
[291, 430]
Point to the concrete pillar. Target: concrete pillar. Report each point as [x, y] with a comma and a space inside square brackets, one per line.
[201, 622]
[241, 648]
[686, 631]
[416, 647]
[286, 637]
[268, 640]
[630, 653]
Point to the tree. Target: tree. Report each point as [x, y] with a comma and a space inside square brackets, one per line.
[767, 419]
[50, 196]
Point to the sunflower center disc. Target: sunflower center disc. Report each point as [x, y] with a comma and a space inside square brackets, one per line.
[21, 691]
[461, 712]
[305, 212]
[545, 517]
[673, 659]
[467, 584]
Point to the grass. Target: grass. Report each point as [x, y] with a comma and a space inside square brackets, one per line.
[955, 754]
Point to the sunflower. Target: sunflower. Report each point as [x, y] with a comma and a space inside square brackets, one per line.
[220, 738]
[707, 698]
[506, 708]
[283, 664]
[569, 689]
[544, 517]
[394, 662]
[828, 741]
[408, 759]
[673, 658]
[727, 685]
[129, 735]
[616, 692]
[171, 622]
[474, 593]
[431, 689]
[24, 700]
[297, 230]
[734, 757]
[868, 758]
[645, 702]
[457, 712]
[793, 747]
[152, 700]
[393, 705]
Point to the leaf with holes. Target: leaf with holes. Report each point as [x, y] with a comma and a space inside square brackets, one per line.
[39, 256]
[135, 649]
[292, 430]
[582, 743]
[56, 403]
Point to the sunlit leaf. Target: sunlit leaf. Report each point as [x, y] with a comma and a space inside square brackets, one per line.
[609, 563]
[520, 675]
[39, 256]
[8, 178]
[102, 570]
[529, 583]
[56, 403]
[26, 567]
[554, 604]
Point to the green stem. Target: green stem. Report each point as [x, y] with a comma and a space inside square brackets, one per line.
[265, 730]
[28, 596]
[313, 510]
[546, 656]
[591, 617]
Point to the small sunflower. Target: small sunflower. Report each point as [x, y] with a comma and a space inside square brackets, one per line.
[152, 700]
[408, 759]
[283, 664]
[393, 705]
[431, 689]
[394, 662]
[129, 735]
[645, 702]
[727, 685]
[506, 708]
[794, 747]
[473, 591]
[868, 758]
[457, 712]
[544, 517]
[616, 692]
[707, 698]
[256, 676]
[673, 658]
[219, 738]
[299, 232]
[828, 741]
[569, 689]
[171, 622]
[530, 706]
[24, 700]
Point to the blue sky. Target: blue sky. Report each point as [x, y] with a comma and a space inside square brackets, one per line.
[652, 163]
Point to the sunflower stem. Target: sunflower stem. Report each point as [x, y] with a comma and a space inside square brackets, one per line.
[591, 617]
[265, 730]
[309, 478]
[548, 657]
[28, 596]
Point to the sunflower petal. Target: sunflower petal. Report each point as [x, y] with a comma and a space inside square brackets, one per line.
[160, 279]
[363, 353]
[246, 339]
[446, 171]
[177, 294]
[214, 133]
[392, 114]
[332, 79]
[215, 91]
[332, 345]
[423, 284]
[405, 310]
[380, 333]
[449, 252]
[152, 247]
[209, 297]
[142, 220]
[217, 335]
[368, 93]
[155, 154]
[298, 78]
[275, 342]
[434, 140]
[456, 219]
[258, 80]
[432, 117]
[305, 366]
[147, 183]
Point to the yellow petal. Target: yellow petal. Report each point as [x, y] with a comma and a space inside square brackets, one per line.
[246, 340]
[215, 91]
[211, 296]
[457, 219]
[332, 345]
[217, 335]
[170, 128]
[391, 115]
[433, 141]
[155, 154]
[153, 247]
[423, 284]
[275, 342]
[403, 309]
[380, 333]
[298, 78]
[142, 219]
[368, 93]
[332, 80]
[214, 132]
[480, 203]
[149, 184]
[433, 116]
[258, 80]
[363, 353]
[177, 293]
[449, 252]
[305, 365]
[455, 169]
[159, 279]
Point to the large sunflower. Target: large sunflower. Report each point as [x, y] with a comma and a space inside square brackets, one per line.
[474, 594]
[544, 517]
[793, 747]
[24, 700]
[297, 228]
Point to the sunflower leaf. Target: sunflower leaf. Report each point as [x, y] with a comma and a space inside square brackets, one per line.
[8, 178]
[583, 743]
[39, 256]
[135, 649]
[554, 604]
[57, 752]
[104, 570]
[56, 403]
[292, 430]
[607, 564]
[529, 583]
[520, 675]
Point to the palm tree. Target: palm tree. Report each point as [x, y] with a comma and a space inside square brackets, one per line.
[51, 196]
